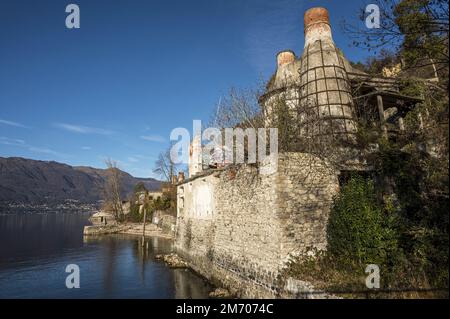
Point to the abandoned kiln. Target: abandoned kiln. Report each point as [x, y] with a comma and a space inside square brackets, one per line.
[238, 227]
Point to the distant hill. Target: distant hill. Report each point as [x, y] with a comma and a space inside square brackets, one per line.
[31, 181]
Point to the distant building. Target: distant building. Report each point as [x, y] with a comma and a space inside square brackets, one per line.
[151, 195]
[154, 195]
[126, 207]
[102, 218]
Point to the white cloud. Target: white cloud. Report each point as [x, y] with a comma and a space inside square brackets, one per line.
[86, 148]
[83, 129]
[153, 138]
[132, 159]
[46, 151]
[11, 123]
[35, 149]
[143, 157]
[11, 141]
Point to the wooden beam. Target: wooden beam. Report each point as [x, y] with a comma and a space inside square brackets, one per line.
[401, 124]
[381, 115]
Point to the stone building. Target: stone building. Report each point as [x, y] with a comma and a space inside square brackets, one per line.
[153, 195]
[239, 227]
[102, 218]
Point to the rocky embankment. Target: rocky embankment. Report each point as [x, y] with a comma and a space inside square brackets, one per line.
[174, 261]
[103, 230]
[151, 230]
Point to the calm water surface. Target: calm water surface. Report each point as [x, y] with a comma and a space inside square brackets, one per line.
[36, 248]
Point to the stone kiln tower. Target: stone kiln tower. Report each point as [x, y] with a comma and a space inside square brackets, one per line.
[326, 106]
[315, 87]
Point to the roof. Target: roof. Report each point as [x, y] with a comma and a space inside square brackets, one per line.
[102, 214]
[391, 96]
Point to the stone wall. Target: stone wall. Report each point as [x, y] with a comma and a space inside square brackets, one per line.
[238, 227]
[165, 221]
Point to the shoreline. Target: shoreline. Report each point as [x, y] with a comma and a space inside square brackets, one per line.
[134, 229]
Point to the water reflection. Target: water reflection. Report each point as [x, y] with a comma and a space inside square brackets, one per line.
[33, 260]
[35, 234]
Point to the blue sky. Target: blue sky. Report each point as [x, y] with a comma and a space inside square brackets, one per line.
[135, 70]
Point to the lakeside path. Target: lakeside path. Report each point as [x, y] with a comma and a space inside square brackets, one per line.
[135, 229]
[150, 230]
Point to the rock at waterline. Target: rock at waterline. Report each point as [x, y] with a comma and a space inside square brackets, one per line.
[220, 293]
[172, 260]
[103, 230]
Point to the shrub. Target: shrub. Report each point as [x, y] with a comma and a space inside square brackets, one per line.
[134, 215]
[360, 232]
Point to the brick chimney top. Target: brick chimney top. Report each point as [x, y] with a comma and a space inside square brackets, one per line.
[317, 25]
[316, 15]
[285, 57]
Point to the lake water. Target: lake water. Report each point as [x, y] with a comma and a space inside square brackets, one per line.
[36, 248]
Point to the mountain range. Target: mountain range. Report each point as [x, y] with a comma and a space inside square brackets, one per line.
[32, 181]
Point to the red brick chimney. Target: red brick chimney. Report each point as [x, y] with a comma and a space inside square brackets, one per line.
[317, 25]
[285, 57]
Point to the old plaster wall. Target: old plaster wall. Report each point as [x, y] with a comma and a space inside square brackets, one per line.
[238, 227]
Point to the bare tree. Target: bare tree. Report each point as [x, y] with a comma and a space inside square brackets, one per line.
[113, 188]
[301, 128]
[165, 167]
[239, 108]
[417, 29]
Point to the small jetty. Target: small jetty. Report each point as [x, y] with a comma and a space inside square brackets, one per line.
[104, 223]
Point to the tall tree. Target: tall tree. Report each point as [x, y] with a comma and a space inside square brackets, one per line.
[113, 188]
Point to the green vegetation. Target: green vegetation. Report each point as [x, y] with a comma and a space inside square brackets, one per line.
[398, 217]
[360, 231]
[412, 32]
[411, 250]
[139, 187]
[165, 203]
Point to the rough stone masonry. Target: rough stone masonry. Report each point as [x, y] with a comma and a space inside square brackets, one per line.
[238, 227]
